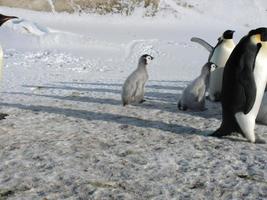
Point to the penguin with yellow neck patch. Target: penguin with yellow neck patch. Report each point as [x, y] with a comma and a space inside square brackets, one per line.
[244, 81]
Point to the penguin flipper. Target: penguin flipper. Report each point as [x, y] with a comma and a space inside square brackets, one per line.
[137, 90]
[247, 81]
[201, 94]
[203, 43]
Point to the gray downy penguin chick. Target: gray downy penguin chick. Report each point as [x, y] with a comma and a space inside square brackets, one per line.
[193, 97]
[218, 55]
[134, 87]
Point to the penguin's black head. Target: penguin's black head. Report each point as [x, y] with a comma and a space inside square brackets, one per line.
[145, 59]
[4, 18]
[228, 34]
[262, 31]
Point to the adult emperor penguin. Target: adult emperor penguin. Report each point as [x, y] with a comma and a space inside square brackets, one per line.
[219, 56]
[193, 97]
[244, 81]
[134, 87]
[3, 19]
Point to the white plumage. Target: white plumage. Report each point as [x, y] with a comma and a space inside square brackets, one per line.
[219, 57]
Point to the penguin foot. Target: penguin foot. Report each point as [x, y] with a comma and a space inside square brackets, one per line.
[218, 133]
[3, 116]
[181, 107]
[142, 101]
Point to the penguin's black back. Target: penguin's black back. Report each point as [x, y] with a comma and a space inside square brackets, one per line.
[238, 87]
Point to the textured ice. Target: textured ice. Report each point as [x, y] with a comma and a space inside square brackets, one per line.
[68, 137]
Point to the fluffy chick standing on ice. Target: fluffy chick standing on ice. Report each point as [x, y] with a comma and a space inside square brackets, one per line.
[134, 87]
[193, 97]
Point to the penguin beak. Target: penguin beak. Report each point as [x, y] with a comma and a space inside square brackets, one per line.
[4, 18]
[152, 58]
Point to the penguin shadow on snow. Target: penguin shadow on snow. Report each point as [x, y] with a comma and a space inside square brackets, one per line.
[150, 85]
[108, 117]
[153, 97]
[151, 103]
[213, 108]
[109, 87]
[71, 97]
[156, 99]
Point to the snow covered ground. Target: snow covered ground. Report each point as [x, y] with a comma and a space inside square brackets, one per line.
[67, 135]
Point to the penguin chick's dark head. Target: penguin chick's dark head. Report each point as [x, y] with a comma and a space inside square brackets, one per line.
[262, 31]
[208, 67]
[145, 59]
[4, 18]
[228, 34]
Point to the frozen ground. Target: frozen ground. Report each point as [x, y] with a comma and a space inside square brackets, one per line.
[67, 135]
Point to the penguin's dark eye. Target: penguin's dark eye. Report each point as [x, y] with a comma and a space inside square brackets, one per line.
[213, 67]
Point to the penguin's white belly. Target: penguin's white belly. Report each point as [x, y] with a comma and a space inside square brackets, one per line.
[220, 57]
[247, 122]
[262, 114]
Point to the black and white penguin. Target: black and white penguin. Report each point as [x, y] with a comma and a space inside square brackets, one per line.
[134, 87]
[194, 95]
[3, 19]
[219, 56]
[244, 81]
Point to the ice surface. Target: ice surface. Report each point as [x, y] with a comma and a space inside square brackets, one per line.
[67, 135]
